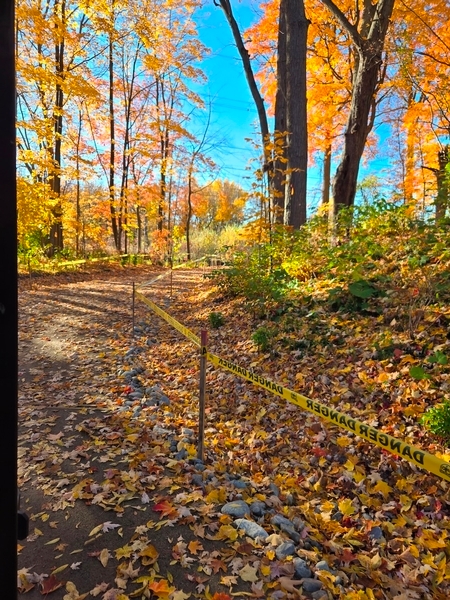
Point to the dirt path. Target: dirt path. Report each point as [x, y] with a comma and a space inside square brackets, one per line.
[91, 465]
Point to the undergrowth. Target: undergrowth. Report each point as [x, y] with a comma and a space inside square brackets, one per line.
[386, 265]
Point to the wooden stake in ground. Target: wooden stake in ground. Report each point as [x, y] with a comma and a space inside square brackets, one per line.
[201, 419]
[133, 305]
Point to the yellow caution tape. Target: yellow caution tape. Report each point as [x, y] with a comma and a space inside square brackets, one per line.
[159, 311]
[415, 455]
[422, 459]
[152, 281]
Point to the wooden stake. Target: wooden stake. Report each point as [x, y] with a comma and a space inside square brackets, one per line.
[201, 419]
[133, 305]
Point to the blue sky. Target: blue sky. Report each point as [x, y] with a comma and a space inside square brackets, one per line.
[233, 110]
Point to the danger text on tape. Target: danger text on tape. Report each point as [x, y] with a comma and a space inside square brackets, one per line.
[419, 457]
[414, 455]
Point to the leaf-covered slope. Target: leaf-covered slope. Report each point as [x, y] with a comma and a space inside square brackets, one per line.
[365, 523]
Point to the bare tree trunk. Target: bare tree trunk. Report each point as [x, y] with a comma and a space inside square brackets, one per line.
[443, 188]
[326, 176]
[78, 192]
[56, 230]
[368, 44]
[115, 217]
[296, 116]
[280, 125]
[189, 215]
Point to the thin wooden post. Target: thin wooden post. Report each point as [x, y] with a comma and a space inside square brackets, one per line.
[133, 302]
[201, 418]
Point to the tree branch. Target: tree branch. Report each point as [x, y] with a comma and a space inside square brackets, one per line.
[352, 31]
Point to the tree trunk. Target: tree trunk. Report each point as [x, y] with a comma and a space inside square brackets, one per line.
[443, 190]
[56, 230]
[326, 176]
[189, 215]
[78, 191]
[368, 45]
[115, 217]
[296, 117]
[279, 170]
[164, 145]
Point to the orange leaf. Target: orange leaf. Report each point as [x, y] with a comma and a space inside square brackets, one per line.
[165, 508]
[161, 588]
[195, 546]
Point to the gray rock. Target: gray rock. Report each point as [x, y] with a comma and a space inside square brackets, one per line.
[337, 516]
[376, 533]
[322, 565]
[237, 508]
[187, 431]
[290, 500]
[161, 431]
[320, 595]
[311, 585]
[279, 520]
[251, 528]
[136, 395]
[238, 483]
[301, 568]
[291, 532]
[274, 489]
[285, 549]
[181, 454]
[129, 374]
[258, 508]
[197, 479]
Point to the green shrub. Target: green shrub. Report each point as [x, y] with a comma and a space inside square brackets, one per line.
[263, 338]
[437, 420]
[216, 319]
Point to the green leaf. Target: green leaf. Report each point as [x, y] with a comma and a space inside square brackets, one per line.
[438, 358]
[418, 373]
[361, 289]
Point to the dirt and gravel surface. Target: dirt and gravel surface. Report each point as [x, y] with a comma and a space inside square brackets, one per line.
[91, 467]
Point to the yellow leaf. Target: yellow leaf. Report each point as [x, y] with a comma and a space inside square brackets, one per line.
[104, 556]
[227, 532]
[346, 507]
[179, 595]
[216, 496]
[149, 555]
[55, 541]
[96, 530]
[270, 554]
[194, 546]
[406, 502]
[342, 441]
[59, 569]
[248, 573]
[383, 488]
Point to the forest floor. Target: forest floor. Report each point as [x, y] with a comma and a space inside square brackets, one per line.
[121, 507]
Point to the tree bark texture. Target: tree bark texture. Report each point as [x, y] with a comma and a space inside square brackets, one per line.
[368, 45]
[291, 134]
[56, 230]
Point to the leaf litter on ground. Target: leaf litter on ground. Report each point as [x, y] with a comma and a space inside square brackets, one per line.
[109, 424]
